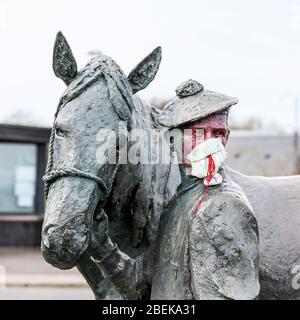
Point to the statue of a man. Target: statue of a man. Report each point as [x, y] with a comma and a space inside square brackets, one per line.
[208, 237]
[207, 243]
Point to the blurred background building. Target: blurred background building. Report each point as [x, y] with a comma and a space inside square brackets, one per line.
[22, 165]
[263, 153]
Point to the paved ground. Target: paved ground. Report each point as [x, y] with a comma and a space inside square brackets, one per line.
[28, 261]
[26, 267]
[46, 294]
[25, 275]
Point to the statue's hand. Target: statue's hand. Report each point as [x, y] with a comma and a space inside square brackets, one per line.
[100, 242]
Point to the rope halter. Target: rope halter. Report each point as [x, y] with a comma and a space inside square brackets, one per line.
[72, 172]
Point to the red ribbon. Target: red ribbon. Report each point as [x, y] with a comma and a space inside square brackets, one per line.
[210, 170]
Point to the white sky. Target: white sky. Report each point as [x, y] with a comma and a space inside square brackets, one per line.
[248, 49]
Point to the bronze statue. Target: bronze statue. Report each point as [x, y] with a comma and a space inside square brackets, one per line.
[111, 211]
[78, 186]
[207, 249]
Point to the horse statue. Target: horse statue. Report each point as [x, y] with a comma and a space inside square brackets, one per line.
[134, 195]
[276, 203]
[77, 185]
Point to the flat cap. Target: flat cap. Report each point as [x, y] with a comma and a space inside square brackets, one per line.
[192, 103]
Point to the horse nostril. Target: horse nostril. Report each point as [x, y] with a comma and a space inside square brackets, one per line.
[48, 231]
[49, 226]
[46, 243]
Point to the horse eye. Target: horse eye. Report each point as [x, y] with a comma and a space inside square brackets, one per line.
[59, 133]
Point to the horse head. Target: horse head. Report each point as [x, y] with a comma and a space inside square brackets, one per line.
[77, 181]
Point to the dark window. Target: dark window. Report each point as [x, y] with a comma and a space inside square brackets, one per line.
[18, 177]
[22, 165]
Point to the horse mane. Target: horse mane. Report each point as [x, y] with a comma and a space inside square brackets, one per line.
[156, 183]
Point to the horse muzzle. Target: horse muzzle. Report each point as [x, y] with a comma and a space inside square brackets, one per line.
[69, 213]
[63, 246]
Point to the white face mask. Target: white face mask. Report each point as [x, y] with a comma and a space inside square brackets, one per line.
[201, 160]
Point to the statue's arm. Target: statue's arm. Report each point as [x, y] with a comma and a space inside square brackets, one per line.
[123, 271]
[224, 252]
[92, 275]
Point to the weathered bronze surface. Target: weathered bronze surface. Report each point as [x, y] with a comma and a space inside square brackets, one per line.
[112, 211]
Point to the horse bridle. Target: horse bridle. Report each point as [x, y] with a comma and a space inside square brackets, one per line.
[52, 175]
[74, 172]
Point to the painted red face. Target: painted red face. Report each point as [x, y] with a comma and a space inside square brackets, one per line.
[214, 126]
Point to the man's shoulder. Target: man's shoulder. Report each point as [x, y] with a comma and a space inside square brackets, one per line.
[225, 202]
[230, 192]
[225, 208]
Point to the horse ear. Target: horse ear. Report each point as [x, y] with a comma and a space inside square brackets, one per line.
[64, 64]
[140, 77]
